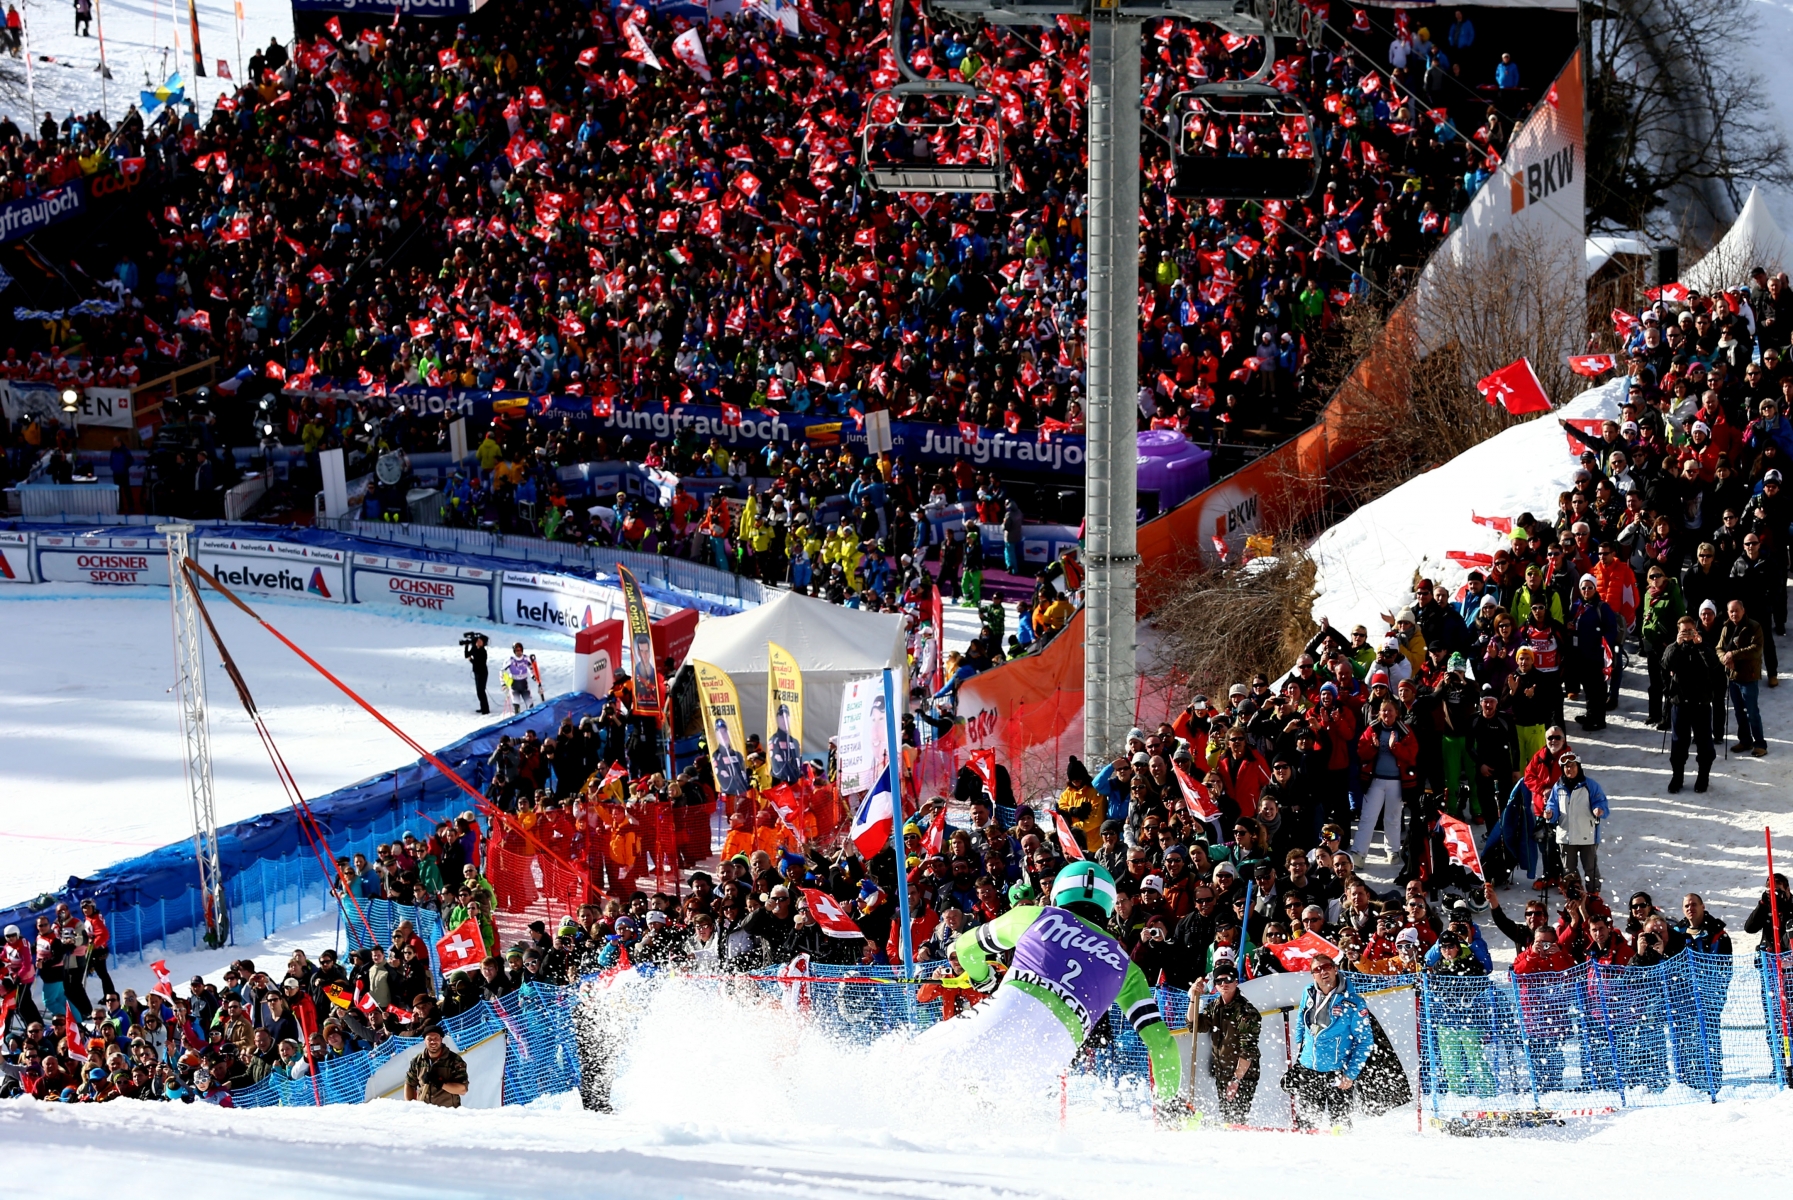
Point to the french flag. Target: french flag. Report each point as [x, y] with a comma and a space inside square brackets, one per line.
[876, 817]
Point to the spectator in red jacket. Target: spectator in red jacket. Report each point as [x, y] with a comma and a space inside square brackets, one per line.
[1245, 774]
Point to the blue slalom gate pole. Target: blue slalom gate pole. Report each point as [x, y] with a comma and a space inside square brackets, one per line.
[898, 844]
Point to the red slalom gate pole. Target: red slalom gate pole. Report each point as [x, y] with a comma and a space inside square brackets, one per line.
[1780, 950]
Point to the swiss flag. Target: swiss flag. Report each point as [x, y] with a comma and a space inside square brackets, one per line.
[1593, 365]
[1196, 796]
[829, 914]
[1298, 955]
[968, 431]
[731, 414]
[793, 981]
[1346, 245]
[1516, 388]
[421, 327]
[1675, 293]
[601, 406]
[1067, 840]
[319, 275]
[1459, 843]
[198, 319]
[236, 231]
[934, 840]
[71, 1029]
[164, 978]
[748, 183]
[983, 765]
[463, 947]
[1624, 322]
[783, 800]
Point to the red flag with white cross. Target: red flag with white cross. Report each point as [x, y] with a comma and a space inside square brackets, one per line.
[462, 948]
[829, 914]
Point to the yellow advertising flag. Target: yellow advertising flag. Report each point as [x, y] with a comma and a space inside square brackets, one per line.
[784, 714]
[722, 728]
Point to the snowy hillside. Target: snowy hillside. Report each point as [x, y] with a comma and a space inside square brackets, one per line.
[88, 730]
[141, 37]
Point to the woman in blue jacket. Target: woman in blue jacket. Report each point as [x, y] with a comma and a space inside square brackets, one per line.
[1333, 1040]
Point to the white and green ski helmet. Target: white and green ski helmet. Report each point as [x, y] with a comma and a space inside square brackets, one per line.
[1084, 882]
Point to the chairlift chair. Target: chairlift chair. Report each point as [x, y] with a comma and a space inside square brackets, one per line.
[1243, 140]
[933, 135]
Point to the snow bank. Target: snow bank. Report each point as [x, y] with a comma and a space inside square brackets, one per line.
[1367, 561]
[89, 737]
[892, 1140]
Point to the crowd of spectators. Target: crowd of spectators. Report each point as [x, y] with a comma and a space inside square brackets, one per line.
[526, 202]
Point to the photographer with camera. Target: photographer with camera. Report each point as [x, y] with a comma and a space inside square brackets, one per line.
[473, 649]
[1761, 919]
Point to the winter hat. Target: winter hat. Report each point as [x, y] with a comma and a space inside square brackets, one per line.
[1490, 602]
[1379, 677]
[1589, 579]
[1155, 882]
[656, 917]
[1329, 686]
[1708, 606]
[1405, 616]
[1136, 732]
[1410, 936]
[1702, 427]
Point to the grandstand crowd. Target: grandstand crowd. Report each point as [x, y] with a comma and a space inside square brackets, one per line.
[555, 202]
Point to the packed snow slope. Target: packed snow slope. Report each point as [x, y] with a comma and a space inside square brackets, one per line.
[756, 1137]
[90, 758]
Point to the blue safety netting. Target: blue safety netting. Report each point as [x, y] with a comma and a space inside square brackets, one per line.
[271, 877]
[382, 917]
[1697, 1027]
[1694, 1029]
[539, 1054]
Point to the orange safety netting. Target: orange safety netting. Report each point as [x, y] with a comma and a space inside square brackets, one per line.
[650, 853]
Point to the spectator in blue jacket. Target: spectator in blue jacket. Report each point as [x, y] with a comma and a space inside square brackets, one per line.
[1333, 1040]
[1461, 35]
[1506, 74]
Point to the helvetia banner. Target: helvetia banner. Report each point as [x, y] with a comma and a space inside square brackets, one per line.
[276, 568]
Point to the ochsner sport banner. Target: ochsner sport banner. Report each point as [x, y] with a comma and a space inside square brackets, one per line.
[126, 561]
[424, 586]
[276, 568]
[784, 714]
[639, 631]
[722, 728]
